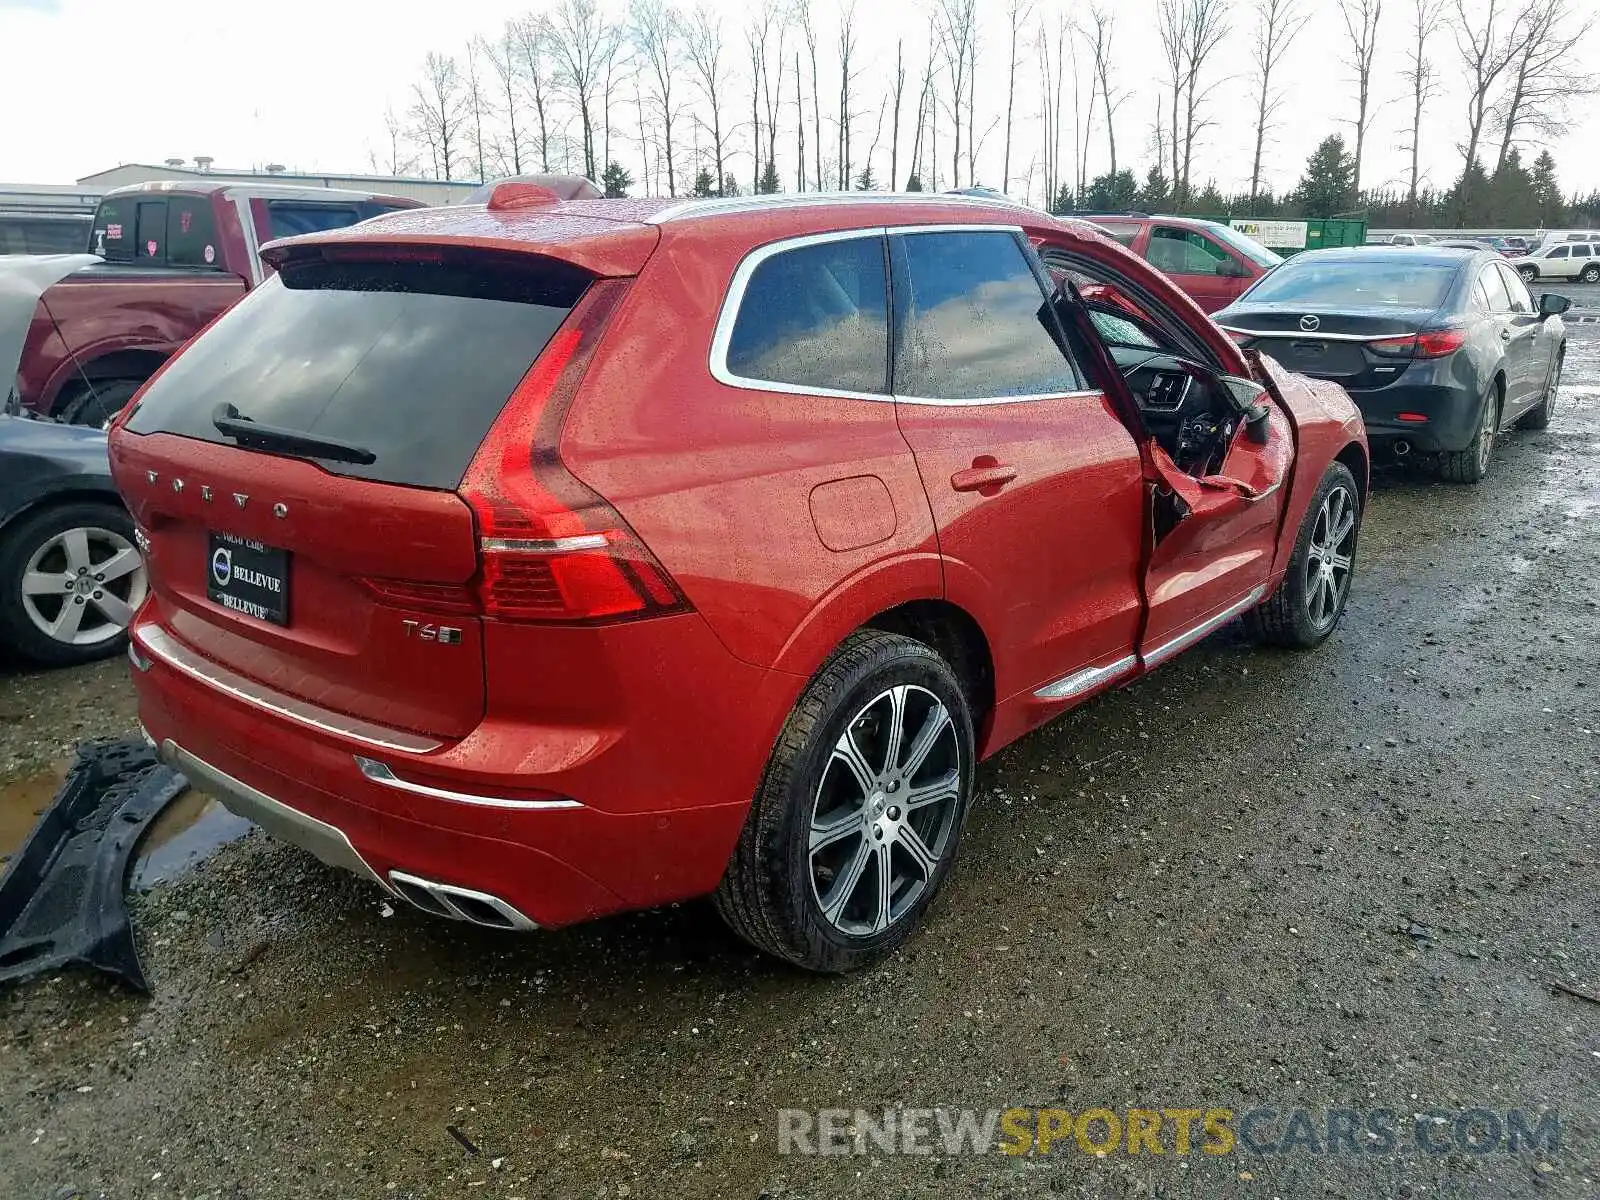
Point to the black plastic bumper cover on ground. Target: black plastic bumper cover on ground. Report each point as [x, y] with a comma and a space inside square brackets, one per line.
[61, 898]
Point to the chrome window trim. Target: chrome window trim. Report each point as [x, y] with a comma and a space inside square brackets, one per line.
[1086, 680]
[380, 773]
[1189, 637]
[728, 317]
[177, 656]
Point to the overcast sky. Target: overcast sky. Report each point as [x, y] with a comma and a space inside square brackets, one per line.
[88, 84]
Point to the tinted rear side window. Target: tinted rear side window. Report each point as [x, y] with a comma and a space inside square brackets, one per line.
[111, 234]
[411, 361]
[972, 320]
[816, 317]
[191, 233]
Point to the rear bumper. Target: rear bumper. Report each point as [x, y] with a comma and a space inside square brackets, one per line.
[555, 825]
[1450, 410]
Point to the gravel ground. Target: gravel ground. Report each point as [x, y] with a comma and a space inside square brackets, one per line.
[1344, 879]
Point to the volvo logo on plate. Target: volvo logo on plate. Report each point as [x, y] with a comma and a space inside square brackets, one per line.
[222, 566]
[1310, 323]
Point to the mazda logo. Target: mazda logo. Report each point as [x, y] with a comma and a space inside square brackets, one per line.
[222, 566]
[1310, 323]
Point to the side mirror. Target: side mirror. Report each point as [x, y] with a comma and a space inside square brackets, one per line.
[1553, 305]
[1246, 395]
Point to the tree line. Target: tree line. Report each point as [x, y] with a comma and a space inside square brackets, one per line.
[700, 107]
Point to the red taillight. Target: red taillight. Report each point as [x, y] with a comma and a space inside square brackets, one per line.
[550, 549]
[1439, 342]
[1434, 343]
[1240, 337]
[1412, 418]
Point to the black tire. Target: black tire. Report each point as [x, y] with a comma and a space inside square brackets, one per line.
[95, 404]
[1529, 273]
[1539, 416]
[770, 894]
[1294, 616]
[20, 541]
[1591, 274]
[1472, 464]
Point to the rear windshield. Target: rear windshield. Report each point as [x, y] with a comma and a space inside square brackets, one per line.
[1367, 282]
[410, 361]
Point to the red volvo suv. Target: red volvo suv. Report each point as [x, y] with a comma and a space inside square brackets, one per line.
[544, 559]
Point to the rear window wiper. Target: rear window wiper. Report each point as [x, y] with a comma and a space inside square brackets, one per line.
[252, 435]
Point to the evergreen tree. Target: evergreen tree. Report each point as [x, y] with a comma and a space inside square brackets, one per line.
[1212, 201]
[1111, 193]
[914, 182]
[1469, 199]
[730, 185]
[1325, 188]
[1510, 200]
[705, 184]
[769, 179]
[1063, 204]
[1548, 207]
[1155, 195]
[866, 181]
[616, 180]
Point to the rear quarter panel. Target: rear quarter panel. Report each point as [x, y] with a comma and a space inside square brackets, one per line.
[107, 309]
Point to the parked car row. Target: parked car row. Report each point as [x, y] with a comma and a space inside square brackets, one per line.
[589, 555]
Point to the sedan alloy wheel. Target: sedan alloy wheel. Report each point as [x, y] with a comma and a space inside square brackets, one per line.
[1330, 557]
[80, 587]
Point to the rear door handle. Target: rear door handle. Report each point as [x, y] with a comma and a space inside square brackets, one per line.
[984, 475]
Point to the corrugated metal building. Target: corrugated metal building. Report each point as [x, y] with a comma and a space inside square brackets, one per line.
[429, 191]
[48, 198]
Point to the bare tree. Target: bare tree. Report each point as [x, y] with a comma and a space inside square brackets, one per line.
[530, 37]
[1207, 28]
[800, 127]
[1018, 12]
[502, 55]
[1172, 22]
[1423, 80]
[1104, 25]
[1361, 19]
[438, 112]
[924, 103]
[477, 107]
[704, 48]
[894, 133]
[657, 32]
[808, 31]
[1542, 78]
[958, 35]
[619, 69]
[1486, 51]
[1278, 23]
[848, 74]
[398, 162]
[582, 42]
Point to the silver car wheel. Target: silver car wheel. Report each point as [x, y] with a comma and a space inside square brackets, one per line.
[1487, 431]
[885, 810]
[1331, 555]
[82, 586]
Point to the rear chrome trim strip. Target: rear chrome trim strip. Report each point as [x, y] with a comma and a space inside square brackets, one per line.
[448, 896]
[327, 842]
[1086, 680]
[565, 545]
[180, 658]
[1188, 638]
[378, 773]
[1301, 335]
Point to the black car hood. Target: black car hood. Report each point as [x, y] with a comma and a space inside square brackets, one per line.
[23, 279]
[41, 456]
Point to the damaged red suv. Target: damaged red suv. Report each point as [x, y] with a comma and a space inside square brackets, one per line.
[546, 559]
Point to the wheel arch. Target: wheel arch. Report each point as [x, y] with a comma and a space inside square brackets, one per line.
[956, 635]
[134, 363]
[78, 492]
[1354, 456]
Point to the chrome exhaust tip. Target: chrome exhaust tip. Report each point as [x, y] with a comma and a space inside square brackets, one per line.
[458, 903]
[1402, 448]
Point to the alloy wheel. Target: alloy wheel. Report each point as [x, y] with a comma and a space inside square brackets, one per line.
[1486, 433]
[885, 810]
[82, 586]
[1331, 555]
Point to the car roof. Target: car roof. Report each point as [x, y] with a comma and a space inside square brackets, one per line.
[1432, 253]
[270, 191]
[615, 236]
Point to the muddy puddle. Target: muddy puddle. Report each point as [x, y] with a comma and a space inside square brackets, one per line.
[189, 830]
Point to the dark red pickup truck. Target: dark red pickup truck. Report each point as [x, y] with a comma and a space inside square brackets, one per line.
[174, 256]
